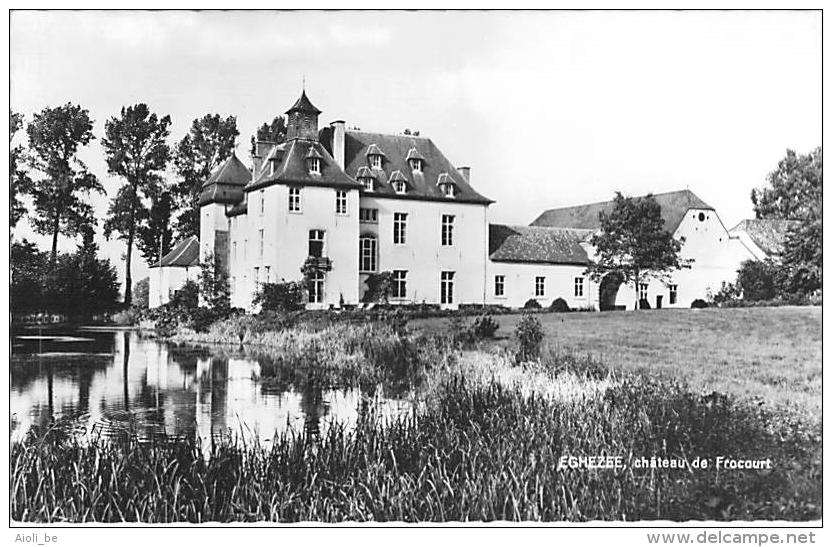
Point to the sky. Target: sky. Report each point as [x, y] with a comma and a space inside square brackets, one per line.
[549, 109]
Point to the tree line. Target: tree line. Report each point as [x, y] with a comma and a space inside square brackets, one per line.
[155, 205]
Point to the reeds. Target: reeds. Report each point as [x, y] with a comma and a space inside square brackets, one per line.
[482, 451]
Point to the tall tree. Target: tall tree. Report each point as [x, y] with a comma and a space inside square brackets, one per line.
[795, 187]
[209, 142]
[273, 132]
[795, 192]
[633, 243]
[20, 184]
[155, 234]
[55, 135]
[136, 150]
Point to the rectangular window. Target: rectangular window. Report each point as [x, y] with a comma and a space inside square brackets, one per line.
[375, 161]
[294, 200]
[262, 202]
[368, 216]
[256, 275]
[316, 243]
[340, 202]
[642, 291]
[314, 166]
[447, 230]
[399, 228]
[579, 287]
[268, 274]
[399, 283]
[540, 286]
[262, 243]
[674, 293]
[234, 251]
[499, 285]
[316, 288]
[367, 252]
[447, 288]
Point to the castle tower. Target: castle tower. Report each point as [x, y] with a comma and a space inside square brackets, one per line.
[303, 120]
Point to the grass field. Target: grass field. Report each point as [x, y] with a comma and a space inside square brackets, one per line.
[772, 353]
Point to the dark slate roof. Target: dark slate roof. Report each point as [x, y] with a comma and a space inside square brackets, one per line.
[226, 183]
[290, 167]
[303, 104]
[674, 206]
[184, 254]
[414, 154]
[421, 185]
[768, 234]
[537, 244]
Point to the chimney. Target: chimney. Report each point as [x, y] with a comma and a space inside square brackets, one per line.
[338, 137]
[466, 173]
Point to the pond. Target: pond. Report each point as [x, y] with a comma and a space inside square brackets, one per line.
[98, 382]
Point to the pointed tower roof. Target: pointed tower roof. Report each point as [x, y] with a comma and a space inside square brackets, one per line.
[303, 104]
[226, 183]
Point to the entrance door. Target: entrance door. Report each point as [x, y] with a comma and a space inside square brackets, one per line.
[659, 301]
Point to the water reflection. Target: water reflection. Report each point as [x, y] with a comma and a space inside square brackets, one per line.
[149, 389]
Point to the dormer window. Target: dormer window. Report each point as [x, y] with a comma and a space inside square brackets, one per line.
[367, 183]
[446, 185]
[375, 161]
[415, 160]
[416, 165]
[314, 166]
[374, 155]
[398, 182]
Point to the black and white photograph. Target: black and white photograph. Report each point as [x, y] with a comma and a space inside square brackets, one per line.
[426, 268]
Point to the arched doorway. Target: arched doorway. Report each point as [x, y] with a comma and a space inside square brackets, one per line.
[609, 290]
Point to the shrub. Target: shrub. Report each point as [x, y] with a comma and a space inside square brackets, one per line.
[757, 280]
[141, 293]
[529, 335]
[727, 292]
[481, 328]
[379, 287]
[186, 297]
[559, 305]
[130, 316]
[698, 303]
[644, 304]
[280, 297]
[485, 327]
[532, 304]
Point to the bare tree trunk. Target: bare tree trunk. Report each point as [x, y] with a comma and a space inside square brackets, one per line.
[56, 227]
[635, 282]
[128, 278]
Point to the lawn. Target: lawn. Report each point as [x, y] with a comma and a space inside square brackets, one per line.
[771, 353]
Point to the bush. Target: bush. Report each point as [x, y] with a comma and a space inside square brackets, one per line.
[644, 304]
[698, 303]
[532, 304]
[758, 280]
[529, 335]
[727, 292]
[280, 297]
[559, 305]
[379, 287]
[186, 298]
[485, 327]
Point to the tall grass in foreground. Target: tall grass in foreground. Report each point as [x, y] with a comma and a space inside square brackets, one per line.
[482, 452]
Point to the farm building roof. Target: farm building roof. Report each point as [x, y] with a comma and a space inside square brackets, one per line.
[768, 234]
[674, 206]
[537, 244]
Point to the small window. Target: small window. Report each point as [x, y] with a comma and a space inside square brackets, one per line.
[367, 253]
[262, 202]
[314, 166]
[316, 243]
[447, 288]
[367, 183]
[375, 161]
[499, 285]
[540, 286]
[294, 200]
[271, 168]
[399, 228]
[448, 190]
[399, 283]
[642, 291]
[701, 217]
[368, 216]
[579, 287]
[416, 165]
[399, 186]
[316, 288]
[268, 274]
[340, 202]
[447, 230]
[262, 243]
[256, 275]
[674, 293]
